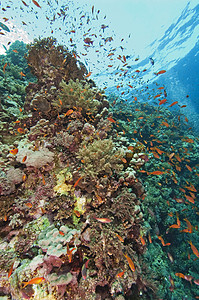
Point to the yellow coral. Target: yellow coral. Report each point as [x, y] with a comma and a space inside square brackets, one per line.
[62, 186]
[80, 204]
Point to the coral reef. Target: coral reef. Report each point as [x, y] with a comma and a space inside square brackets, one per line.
[81, 210]
[64, 171]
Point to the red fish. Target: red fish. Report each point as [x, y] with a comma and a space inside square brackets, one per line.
[156, 173]
[4, 67]
[111, 120]
[162, 101]
[174, 103]
[88, 41]
[78, 180]
[120, 274]
[36, 3]
[161, 72]
[24, 3]
[11, 270]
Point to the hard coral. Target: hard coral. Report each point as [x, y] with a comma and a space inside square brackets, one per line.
[76, 94]
[53, 243]
[47, 59]
[100, 158]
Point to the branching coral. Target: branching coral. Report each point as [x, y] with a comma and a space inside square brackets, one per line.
[100, 158]
[76, 94]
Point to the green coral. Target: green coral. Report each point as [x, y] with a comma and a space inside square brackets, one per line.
[100, 158]
[56, 243]
[76, 94]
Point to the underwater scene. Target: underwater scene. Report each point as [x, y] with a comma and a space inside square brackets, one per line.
[99, 152]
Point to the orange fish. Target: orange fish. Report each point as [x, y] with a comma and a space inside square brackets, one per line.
[24, 159]
[189, 228]
[120, 238]
[15, 51]
[36, 3]
[78, 180]
[11, 270]
[4, 67]
[36, 280]
[69, 112]
[190, 199]
[22, 74]
[180, 275]
[161, 72]
[156, 173]
[157, 96]
[196, 281]
[69, 253]
[89, 74]
[174, 103]
[61, 232]
[120, 274]
[162, 101]
[162, 241]
[130, 262]
[149, 237]
[14, 151]
[194, 249]
[165, 124]
[123, 160]
[20, 130]
[188, 167]
[142, 240]
[111, 120]
[103, 220]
